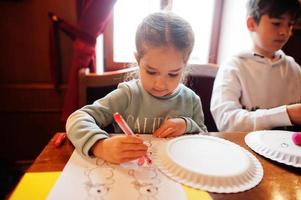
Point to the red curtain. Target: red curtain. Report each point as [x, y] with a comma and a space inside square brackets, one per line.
[93, 16]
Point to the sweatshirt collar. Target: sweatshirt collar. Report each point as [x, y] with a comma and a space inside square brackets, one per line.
[260, 58]
[176, 92]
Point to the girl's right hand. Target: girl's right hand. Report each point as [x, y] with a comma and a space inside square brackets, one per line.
[171, 128]
[119, 149]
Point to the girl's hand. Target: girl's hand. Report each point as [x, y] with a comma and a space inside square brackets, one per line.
[119, 149]
[171, 128]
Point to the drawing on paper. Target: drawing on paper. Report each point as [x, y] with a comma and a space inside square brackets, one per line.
[85, 178]
[100, 180]
[146, 182]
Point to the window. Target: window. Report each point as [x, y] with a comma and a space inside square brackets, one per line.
[206, 18]
[234, 35]
[119, 43]
[127, 15]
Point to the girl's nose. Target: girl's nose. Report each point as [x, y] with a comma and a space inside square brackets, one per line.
[160, 83]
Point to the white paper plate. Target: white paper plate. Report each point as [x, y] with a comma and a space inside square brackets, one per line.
[209, 163]
[275, 145]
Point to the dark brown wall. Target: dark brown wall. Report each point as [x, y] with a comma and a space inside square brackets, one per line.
[293, 46]
[30, 108]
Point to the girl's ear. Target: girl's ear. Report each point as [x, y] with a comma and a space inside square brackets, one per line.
[251, 23]
[137, 56]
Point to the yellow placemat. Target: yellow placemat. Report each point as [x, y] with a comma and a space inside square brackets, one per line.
[35, 186]
[194, 194]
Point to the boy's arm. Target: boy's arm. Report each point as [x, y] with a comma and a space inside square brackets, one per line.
[84, 126]
[227, 110]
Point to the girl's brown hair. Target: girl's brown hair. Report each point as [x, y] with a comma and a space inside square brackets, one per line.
[164, 29]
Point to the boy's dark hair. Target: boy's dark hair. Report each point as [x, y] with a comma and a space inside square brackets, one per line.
[273, 8]
[164, 29]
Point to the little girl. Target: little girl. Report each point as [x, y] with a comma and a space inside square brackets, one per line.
[157, 103]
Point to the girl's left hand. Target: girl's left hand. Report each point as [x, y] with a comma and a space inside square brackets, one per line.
[171, 128]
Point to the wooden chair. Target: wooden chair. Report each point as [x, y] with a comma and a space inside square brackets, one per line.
[201, 79]
[94, 86]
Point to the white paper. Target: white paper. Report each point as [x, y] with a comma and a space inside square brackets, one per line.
[91, 179]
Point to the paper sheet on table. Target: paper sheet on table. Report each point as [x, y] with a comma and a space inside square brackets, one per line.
[84, 178]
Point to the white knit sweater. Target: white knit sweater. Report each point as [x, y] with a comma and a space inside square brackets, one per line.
[251, 92]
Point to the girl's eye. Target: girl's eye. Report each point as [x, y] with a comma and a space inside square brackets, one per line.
[173, 75]
[151, 72]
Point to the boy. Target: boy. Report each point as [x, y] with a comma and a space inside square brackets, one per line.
[261, 89]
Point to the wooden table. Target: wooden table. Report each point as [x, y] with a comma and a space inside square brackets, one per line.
[280, 182]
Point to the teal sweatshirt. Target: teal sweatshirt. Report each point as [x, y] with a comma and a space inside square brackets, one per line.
[143, 112]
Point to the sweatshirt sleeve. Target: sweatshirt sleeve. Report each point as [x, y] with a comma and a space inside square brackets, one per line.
[85, 126]
[228, 112]
[196, 124]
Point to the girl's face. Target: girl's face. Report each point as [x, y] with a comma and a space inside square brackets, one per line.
[270, 34]
[161, 70]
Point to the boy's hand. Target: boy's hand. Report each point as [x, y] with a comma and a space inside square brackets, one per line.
[119, 149]
[171, 128]
[294, 113]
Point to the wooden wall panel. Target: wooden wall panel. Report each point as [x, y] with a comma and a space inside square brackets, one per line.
[26, 133]
[30, 98]
[30, 107]
[293, 46]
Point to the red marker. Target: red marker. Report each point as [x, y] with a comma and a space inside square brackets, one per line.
[128, 131]
[59, 140]
[122, 124]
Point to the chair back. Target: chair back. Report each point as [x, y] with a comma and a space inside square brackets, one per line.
[201, 79]
[93, 86]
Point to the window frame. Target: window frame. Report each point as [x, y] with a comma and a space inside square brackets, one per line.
[110, 65]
